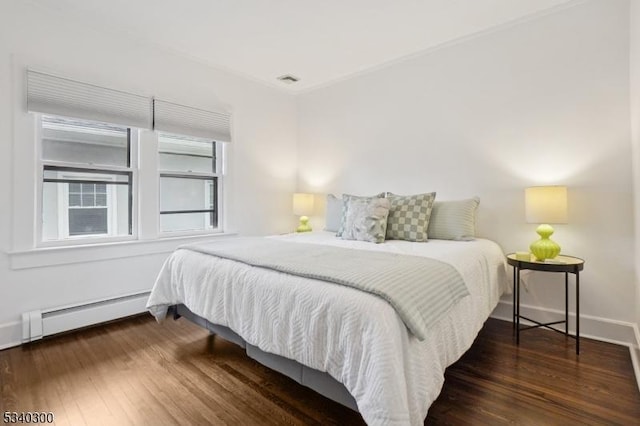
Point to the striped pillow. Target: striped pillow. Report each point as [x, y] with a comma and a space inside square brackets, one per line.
[454, 220]
[409, 216]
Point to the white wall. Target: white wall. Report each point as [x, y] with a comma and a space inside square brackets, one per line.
[545, 101]
[542, 102]
[262, 159]
[635, 135]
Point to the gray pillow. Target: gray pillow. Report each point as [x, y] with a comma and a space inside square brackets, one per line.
[366, 219]
[409, 216]
[454, 220]
[333, 216]
[345, 201]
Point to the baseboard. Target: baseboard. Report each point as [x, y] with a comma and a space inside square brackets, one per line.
[602, 329]
[606, 330]
[10, 334]
[90, 313]
[635, 356]
[76, 316]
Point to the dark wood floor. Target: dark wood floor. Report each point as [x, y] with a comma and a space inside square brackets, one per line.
[138, 372]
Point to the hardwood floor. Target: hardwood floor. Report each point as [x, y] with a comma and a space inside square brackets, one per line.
[138, 372]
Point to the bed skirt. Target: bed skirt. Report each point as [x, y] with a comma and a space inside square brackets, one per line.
[319, 381]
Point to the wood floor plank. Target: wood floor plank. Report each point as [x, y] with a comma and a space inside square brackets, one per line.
[542, 381]
[136, 371]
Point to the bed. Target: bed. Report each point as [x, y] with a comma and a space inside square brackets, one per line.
[349, 345]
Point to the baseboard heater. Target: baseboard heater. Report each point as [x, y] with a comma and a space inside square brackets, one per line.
[41, 323]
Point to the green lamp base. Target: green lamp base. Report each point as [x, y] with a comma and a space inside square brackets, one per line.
[304, 225]
[544, 248]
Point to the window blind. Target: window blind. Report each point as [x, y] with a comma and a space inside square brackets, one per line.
[60, 96]
[189, 121]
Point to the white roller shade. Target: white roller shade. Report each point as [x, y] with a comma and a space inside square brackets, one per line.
[188, 121]
[60, 96]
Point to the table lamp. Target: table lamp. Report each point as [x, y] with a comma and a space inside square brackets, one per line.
[303, 206]
[545, 205]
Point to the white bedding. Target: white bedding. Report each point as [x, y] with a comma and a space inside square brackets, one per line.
[356, 337]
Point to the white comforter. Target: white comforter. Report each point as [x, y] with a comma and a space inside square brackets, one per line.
[356, 337]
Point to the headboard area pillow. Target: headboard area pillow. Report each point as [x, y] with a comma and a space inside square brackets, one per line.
[366, 219]
[454, 220]
[345, 203]
[333, 216]
[409, 216]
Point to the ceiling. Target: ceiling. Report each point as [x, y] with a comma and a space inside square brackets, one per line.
[318, 41]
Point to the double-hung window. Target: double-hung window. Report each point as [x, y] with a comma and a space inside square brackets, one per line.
[90, 186]
[87, 179]
[190, 148]
[189, 183]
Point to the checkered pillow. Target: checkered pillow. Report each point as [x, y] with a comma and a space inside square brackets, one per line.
[409, 216]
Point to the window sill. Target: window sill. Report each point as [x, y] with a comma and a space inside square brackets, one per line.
[62, 255]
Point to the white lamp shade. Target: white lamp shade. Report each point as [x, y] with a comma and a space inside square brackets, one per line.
[302, 204]
[546, 204]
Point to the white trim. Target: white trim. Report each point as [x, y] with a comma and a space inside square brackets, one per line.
[217, 174]
[221, 171]
[73, 316]
[63, 194]
[530, 17]
[635, 360]
[77, 240]
[27, 248]
[208, 202]
[635, 355]
[64, 207]
[57, 8]
[10, 334]
[26, 178]
[597, 328]
[62, 255]
[190, 233]
[38, 214]
[98, 168]
[147, 187]
[187, 173]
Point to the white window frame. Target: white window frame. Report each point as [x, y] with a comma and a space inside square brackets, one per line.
[67, 240]
[26, 249]
[63, 206]
[218, 177]
[208, 202]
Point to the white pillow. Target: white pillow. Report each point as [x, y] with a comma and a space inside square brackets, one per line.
[333, 215]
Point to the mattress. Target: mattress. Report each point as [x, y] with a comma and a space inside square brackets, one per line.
[355, 337]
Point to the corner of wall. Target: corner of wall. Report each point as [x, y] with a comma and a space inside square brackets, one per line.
[635, 355]
[602, 329]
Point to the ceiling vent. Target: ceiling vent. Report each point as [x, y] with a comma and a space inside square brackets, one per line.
[288, 79]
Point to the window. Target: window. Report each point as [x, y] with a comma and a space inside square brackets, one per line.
[114, 165]
[88, 209]
[87, 179]
[189, 183]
